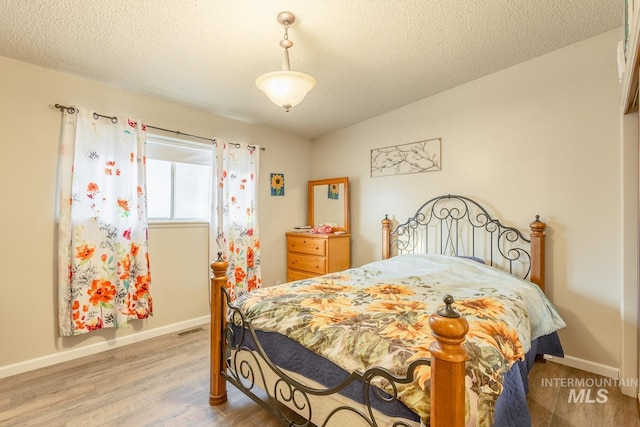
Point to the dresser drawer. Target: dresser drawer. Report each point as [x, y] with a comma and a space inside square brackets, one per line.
[293, 275]
[308, 263]
[307, 245]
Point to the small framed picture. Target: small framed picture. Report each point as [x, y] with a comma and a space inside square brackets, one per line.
[334, 191]
[277, 184]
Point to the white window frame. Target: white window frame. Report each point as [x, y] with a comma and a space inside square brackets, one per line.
[202, 158]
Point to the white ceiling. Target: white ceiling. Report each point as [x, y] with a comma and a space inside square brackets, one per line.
[368, 56]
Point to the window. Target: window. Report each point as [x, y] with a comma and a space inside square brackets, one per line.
[178, 180]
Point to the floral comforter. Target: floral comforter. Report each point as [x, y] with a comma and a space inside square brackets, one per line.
[378, 315]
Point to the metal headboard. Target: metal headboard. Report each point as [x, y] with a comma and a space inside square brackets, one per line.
[458, 226]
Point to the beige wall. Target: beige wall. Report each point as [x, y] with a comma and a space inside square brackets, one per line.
[542, 137]
[179, 261]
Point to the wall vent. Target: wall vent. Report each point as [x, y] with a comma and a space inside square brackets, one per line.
[189, 332]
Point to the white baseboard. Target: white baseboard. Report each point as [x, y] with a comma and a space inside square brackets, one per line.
[586, 365]
[75, 353]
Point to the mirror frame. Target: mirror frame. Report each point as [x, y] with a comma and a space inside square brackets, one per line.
[329, 181]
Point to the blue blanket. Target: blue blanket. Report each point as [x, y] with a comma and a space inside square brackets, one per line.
[511, 406]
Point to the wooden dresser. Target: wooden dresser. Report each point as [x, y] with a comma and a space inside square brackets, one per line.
[310, 255]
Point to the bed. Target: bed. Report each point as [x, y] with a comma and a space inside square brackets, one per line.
[382, 344]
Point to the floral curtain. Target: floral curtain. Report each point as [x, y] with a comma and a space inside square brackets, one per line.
[234, 224]
[103, 264]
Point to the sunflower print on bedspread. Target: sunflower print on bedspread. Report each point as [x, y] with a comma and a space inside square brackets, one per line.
[358, 321]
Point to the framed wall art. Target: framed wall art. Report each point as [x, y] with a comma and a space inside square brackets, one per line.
[415, 157]
[277, 184]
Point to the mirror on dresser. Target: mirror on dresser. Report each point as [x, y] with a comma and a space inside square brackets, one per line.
[312, 254]
[328, 203]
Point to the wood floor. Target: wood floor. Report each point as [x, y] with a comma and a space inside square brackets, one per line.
[165, 382]
[555, 407]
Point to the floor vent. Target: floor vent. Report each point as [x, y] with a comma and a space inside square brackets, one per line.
[188, 332]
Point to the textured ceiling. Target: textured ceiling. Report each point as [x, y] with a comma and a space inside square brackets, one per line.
[368, 56]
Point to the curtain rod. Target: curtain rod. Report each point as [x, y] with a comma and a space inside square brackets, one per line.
[114, 119]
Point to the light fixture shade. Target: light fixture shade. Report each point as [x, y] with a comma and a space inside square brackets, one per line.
[286, 88]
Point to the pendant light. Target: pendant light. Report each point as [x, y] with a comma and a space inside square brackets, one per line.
[286, 88]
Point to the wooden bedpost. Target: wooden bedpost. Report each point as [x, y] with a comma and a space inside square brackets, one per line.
[448, 358]
[386, 236]
[537, 251]
[218, 384]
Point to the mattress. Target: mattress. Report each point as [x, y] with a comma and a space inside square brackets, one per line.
[303, 365]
